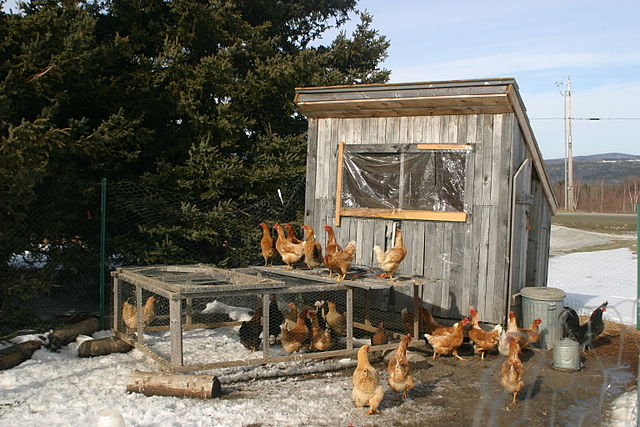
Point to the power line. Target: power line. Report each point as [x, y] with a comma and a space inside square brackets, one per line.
[585, 118]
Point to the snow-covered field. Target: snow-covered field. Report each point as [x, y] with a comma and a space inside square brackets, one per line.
[60, 389]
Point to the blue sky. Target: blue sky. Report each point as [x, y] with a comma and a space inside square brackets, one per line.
[539, 43]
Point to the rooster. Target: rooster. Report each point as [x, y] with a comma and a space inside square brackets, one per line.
[312, 248]
[449, 340]
[390, 260]
[512, 370]
[290, 252]
[367, 390]
[398, 369]
[587, 332]
[266, 243]
[129, 314]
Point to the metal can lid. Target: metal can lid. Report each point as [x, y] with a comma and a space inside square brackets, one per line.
[543, 293]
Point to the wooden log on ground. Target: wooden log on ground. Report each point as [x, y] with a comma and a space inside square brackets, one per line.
[16, 354]
[162, 384]
[64, 336]
[103, 346]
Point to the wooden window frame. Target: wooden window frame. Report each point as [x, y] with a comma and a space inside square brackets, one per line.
[401, 214]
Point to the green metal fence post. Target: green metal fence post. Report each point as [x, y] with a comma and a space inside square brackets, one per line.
[103, 238]
[638, 267]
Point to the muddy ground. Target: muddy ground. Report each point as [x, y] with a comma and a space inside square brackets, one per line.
[549, 397]
[452, 392]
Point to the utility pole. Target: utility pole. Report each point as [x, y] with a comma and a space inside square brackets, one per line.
[569, 194]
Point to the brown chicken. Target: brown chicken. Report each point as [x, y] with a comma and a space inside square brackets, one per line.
[449, 341]
[532, 333]
[380, 336]
[129, 315]
[335, 320]
[294, 339]
[266, 243]
[332, 246]
[482, 340]
[292, 317]
[390, 260]
[512, 371]
[291, 234]
[367, 390]
[321, 339]
[398, 370]
[341, 261]
[312, 248]
[429, 324]
[290, 252]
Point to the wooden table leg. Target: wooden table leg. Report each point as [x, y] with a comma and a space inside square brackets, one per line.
[175, 331]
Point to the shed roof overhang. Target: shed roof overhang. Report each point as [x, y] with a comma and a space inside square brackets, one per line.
[486, 96]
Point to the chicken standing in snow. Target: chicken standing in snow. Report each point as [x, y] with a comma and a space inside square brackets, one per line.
[367, 390]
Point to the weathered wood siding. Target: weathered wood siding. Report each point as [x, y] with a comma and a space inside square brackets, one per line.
[471, 258]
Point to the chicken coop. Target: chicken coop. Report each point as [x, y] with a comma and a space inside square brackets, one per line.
[455, 165]
[198, 317]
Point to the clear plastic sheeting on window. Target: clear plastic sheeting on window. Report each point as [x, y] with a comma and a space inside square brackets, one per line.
[425, 180]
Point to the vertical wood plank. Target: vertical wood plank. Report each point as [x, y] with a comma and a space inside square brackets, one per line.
[265, 326]
[175, 331]
[312, 168]
[139, 324]
[117, 303]
[349, 303]
[339, 182]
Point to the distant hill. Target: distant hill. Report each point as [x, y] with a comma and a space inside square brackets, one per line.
[611, 168]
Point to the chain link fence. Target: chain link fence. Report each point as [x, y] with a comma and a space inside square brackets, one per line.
[51, 242]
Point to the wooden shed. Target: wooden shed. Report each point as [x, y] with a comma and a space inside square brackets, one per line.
[455, 165]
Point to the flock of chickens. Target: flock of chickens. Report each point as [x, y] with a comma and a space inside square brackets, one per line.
[337, 259]
[306, 329]
[319, 329]
[368, 391]
[367, 388]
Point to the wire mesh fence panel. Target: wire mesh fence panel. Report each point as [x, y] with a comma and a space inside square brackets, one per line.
[50, 256]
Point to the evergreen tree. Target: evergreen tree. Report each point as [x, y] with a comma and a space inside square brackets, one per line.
[191, 96]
